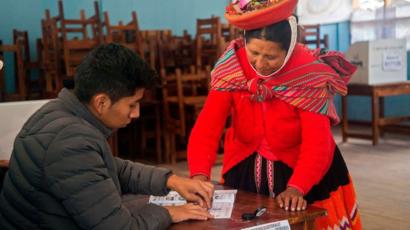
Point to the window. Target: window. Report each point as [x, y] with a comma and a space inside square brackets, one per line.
[368, 4]
[379, 19]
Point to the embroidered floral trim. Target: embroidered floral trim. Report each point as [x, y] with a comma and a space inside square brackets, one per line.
[238, 7]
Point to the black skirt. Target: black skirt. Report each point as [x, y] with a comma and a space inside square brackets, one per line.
[242, 176]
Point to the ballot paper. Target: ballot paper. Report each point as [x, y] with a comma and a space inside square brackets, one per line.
[222, 204]
[278, 225]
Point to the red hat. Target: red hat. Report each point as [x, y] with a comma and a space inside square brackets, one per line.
[264, 14]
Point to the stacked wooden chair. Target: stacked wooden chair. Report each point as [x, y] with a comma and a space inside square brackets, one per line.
[20, 76]
[209, 41]
[184, 95]
[310, 35]
[127, 35]
[35, 85]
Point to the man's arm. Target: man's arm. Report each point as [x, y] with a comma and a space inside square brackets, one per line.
[142, 179]
[76, 175]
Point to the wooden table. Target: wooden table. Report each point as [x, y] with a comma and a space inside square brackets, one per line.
[248, 202]
[4, 166]
[377, 94]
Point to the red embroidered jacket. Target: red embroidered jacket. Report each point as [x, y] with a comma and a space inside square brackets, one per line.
[301, 139]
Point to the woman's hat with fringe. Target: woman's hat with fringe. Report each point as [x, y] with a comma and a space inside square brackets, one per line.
[253, 14]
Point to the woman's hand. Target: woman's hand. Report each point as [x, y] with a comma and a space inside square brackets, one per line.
[196, 191]
[291, 199]
[188, 212]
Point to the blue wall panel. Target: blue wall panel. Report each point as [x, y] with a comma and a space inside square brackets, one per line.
[27, 15]
[408, 65]
[21, 15]
[176, 15]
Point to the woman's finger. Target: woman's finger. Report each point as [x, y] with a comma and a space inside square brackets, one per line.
[208, 193]
[301, 202]
[204, 196]
[209, 188]
[279, 201]
[286, 203]
[294, 204]
[304, 206]
[208, 185]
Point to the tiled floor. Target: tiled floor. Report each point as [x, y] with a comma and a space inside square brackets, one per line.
[381, 175]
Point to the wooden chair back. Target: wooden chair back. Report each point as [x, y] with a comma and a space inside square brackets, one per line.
[34, 85]
[156, 43]
[52, 54]
[178, 52]
[184, 95]
[21, 37]
[230, 32]
[209, 41]
[81, 26]
[20, 80]
[74, 49]
[128, 35]
[310, 35]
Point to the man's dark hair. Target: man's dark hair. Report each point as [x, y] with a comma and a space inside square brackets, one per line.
[279, 32]
[112, 69]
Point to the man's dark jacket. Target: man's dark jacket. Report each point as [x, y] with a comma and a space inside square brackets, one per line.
[62, 175]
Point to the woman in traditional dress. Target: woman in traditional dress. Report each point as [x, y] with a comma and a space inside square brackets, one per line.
[279, 97]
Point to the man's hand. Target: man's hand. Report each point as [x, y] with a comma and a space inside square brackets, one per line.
[291, 199]
[200, 177]
[196, 191]
[188, 212]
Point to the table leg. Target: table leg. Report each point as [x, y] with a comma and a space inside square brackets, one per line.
[305, 225]
[158, 139]
[167, 145]
[381, 115]
[375, 118]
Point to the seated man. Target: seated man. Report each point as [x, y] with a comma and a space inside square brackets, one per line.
[62, 174]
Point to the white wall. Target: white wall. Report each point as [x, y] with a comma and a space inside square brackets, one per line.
[13, 115]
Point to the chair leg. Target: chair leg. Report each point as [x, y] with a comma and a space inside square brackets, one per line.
[158, 137]
[173, 149]
[167, 145]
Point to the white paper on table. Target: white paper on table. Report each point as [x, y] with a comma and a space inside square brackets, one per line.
[172, 199]
[278, 225]
[222, 204]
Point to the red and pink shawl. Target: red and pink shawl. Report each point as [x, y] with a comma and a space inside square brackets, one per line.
[310, 86]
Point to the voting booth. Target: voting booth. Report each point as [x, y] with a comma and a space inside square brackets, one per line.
[379, 61]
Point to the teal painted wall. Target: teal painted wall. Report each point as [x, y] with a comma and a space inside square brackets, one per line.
[27, 15]
[176, 15]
